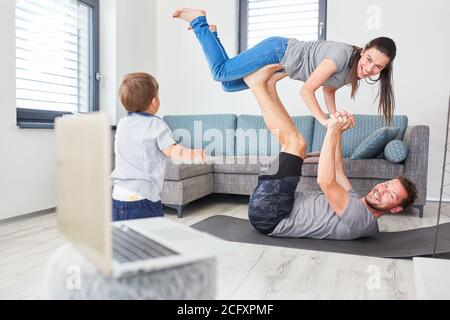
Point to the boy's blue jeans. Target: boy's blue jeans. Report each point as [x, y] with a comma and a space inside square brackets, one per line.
[232, 71]
[123, 210]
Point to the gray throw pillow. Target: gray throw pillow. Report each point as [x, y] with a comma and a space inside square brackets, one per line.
[374, 144]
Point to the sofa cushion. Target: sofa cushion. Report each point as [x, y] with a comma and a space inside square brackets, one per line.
[364, 169]
[176, 172]
[212, 132]
[253, 138]
[235, 183]
[187, 190]
[365, 125]
[374, 144]
[242, 165]
[396, 151]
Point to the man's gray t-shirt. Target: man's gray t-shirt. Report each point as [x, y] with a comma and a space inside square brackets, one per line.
[303, 57]
[313, 217]
[140, 164]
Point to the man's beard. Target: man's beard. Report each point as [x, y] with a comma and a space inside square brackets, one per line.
[374, 206]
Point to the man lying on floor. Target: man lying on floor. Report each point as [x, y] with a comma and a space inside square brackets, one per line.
[337, 212]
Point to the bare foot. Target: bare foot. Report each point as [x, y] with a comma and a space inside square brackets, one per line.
[188, 14]
[277, 76]
[262, 75]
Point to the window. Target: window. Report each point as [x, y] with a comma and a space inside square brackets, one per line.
[56, 59]
[301, 19]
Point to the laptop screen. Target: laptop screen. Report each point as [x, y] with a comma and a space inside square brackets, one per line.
[83, 166]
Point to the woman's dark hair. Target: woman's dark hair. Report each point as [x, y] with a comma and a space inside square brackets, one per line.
[385, 94]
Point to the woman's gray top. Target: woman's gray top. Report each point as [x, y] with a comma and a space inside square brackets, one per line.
[302, 58]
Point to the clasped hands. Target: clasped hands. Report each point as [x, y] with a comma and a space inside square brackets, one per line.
[340, 121]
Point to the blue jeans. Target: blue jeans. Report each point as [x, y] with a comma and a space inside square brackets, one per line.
[232, 71]
[123, 210]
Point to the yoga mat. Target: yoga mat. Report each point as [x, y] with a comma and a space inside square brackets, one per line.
[402, 244]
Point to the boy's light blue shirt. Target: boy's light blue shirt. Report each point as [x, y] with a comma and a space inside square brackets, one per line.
[140, 165]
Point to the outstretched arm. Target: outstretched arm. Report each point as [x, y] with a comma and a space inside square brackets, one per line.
[177, 152]
[341, 178]
[322, 72]
[329, 95]
[335, 193]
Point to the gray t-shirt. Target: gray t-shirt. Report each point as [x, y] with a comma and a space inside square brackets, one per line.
[140, 165]
[313, 217]
[302, 58]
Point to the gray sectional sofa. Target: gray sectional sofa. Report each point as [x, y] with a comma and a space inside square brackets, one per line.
[240, 147]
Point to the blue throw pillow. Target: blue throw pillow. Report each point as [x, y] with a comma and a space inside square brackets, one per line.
[396, 151]
[374, 144]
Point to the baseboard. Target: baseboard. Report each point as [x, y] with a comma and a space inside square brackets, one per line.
[433, 199]
[28, 216]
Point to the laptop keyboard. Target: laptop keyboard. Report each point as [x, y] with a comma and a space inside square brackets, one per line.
[129, 245]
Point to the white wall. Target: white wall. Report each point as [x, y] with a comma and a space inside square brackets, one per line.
[420, 70]
[127, 44]
[128, 37]
[185, 82]
[108, 58]
[27, 156]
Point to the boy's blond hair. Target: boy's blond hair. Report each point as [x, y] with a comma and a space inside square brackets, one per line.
[137, 91]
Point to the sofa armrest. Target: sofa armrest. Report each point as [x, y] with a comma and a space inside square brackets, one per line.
[416, 164]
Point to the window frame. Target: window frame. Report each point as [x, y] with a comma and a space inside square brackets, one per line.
[44, 119]
[243, 23]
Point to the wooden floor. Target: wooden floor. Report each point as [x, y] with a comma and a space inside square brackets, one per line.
[252, 272]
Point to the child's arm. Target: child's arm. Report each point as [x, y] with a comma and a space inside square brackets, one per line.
[173, 150]
[323, 71]
[179, 153]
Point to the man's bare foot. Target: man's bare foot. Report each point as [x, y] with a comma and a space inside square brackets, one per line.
[262, 75]
[212, 28]
[277, 76]
[188, 14]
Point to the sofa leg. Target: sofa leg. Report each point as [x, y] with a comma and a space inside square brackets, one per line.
[179, 209]
[420, 208]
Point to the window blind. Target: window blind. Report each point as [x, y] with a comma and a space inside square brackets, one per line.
[53, 55]
[288, 18]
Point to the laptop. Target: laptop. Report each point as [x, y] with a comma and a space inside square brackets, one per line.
[84, 208]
